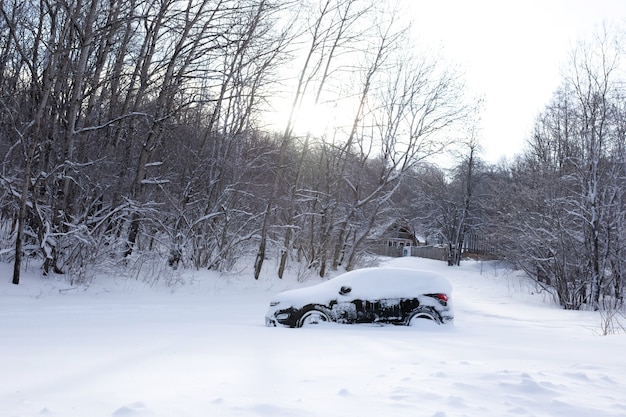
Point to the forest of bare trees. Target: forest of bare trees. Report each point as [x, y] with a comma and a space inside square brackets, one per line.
[133, 131]
[570, 220]
[558, 210]
[134, 134]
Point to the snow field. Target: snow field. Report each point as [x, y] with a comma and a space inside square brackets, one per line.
[124, 350]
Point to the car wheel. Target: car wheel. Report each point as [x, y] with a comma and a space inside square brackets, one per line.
[313, 317]
[423, 315]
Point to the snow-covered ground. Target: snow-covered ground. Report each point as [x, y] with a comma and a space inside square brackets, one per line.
[122, 348]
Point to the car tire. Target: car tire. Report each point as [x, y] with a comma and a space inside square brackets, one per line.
[423, 313]
[313, 317]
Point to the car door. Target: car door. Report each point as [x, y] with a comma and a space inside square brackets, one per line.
[345, 306]
[357, 306]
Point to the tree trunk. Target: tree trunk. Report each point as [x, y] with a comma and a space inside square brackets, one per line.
[21, 219]
[260, 256]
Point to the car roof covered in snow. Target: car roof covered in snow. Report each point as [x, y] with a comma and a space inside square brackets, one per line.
[371, 284]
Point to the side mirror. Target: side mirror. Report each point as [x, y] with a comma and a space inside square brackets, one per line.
[345, 290]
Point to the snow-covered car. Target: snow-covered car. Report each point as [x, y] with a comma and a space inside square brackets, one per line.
[369, 295]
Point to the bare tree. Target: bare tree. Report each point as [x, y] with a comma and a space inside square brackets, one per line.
[573, 209]
[329, 32]
[418, 101]
[29, 128]
[467, 177]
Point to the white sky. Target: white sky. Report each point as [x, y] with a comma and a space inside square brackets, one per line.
[512, 53]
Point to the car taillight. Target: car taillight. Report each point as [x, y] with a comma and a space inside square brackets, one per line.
[443, 298]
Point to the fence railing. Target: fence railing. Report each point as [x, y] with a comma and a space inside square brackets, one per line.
[430, 252]
[473, 245]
